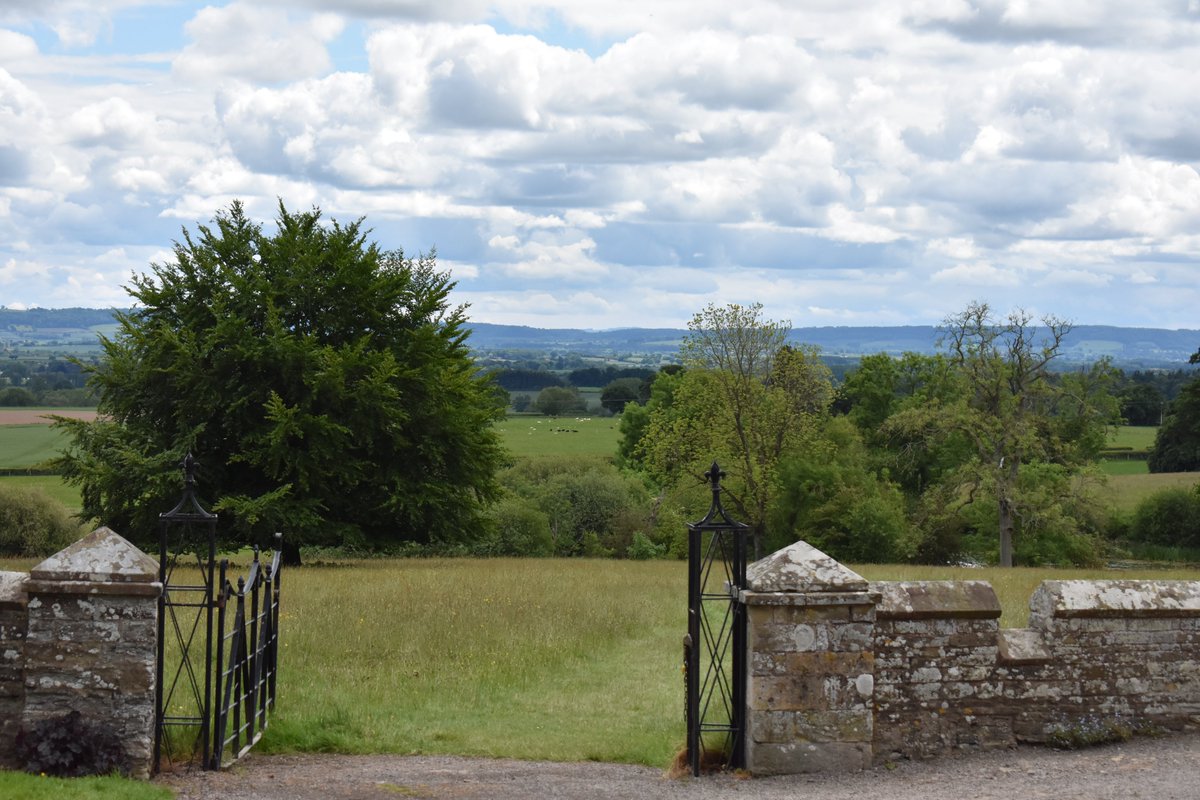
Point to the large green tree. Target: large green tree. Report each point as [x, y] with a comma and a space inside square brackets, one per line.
[323, 384]
[745, 399]
[1011, 411]
[1177, 442]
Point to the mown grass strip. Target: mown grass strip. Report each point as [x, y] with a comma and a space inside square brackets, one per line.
[21, 786]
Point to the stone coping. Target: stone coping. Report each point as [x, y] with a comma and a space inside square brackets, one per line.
[800, 567]
[1116, 598]
[128, 589]
[12, 590]
[936, 600]
[101, 556]
[751, 598]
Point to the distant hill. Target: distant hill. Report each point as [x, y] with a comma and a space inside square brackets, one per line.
[1128, 347]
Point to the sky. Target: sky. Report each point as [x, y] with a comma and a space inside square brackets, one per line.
[616, 163]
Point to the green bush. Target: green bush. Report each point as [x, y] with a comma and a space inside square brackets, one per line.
[593, 510]
[33, 523]
[1168, 517]
[518, 530]
[643, 549]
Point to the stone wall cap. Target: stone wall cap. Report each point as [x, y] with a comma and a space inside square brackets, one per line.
[12, 589]
[800, 567]
[808, 598]
[937, 600]
[102, 556]
[1115, 598]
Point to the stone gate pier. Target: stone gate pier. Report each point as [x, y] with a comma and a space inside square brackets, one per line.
[843, 673]
[79, 633]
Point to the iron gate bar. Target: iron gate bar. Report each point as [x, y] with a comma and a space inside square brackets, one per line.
[246, 683]
[711, 642]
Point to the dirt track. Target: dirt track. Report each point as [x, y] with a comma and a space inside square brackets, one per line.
[1162, 769]
[40, 416]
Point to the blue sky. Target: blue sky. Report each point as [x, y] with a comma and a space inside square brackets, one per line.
[612, 163]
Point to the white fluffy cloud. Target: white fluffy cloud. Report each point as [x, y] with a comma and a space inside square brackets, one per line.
[844, 163]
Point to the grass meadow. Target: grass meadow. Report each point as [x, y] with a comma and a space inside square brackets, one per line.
[527, 435]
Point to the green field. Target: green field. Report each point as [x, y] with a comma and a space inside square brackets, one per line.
[1127, 491]
[23, 446]
[532, 435]
[1133, 437]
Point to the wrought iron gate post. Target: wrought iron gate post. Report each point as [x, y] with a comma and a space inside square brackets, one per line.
[716, 624]
[185, 517]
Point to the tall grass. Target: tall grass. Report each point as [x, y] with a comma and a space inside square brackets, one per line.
[566, 660]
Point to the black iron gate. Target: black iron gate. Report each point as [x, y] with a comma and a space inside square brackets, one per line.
[715, 646]
[196, 699]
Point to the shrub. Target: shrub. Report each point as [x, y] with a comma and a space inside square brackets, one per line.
[1168, 517]
[643, 549]
[33, 524]
[519, 530]
[70, 747]
[593, 509]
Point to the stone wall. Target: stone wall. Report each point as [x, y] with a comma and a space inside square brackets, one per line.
[938, 674]
[13, 624]
[83, 632]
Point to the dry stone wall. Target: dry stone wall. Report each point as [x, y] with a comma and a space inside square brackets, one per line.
[79, 633]
[934, 672]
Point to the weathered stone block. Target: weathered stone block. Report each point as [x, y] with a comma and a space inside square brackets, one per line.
[808, 757]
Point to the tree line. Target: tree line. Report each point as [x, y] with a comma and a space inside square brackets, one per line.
[327, 389]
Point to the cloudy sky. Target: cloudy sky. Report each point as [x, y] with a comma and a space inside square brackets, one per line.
[607, 163]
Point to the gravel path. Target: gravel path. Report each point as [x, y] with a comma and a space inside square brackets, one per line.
[1159, 769]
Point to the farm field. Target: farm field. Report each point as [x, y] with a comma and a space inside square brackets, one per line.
[1135, 437]
[583, 435]
[1127, 491]
[26, 438]
[533, 659]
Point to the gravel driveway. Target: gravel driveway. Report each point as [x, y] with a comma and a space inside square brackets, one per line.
[1159, 769]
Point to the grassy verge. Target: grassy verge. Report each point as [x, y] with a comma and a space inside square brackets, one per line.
[20, 786]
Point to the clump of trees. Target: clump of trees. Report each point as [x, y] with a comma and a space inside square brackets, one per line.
[324, 385]
[981, 450]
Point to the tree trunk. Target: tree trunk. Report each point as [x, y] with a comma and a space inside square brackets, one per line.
[1006, 532]
[289, 553]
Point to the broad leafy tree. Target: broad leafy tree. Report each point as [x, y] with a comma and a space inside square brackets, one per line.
[1177, 443]
[1011, 411]
[745, 399]
[323, 384]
